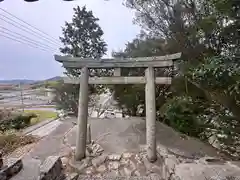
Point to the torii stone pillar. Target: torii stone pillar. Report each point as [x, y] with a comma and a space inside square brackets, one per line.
[81, 139]
[150, 101]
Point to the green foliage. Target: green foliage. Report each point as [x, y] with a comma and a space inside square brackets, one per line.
[17, 121]
[130, 97]
[183, 114]
[222, 74]
[66, 97]
[223, 80]
[82, 37]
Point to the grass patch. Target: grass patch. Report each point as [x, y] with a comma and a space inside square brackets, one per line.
[42, 115]
[10, 142]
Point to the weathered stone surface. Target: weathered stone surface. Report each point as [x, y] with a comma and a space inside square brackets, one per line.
[89, 170]
[202, 171]
[88, 151]
[97, 149]
[88, 134]
[79, 166]
[64, 161]
[125, 162]
[110, 177]
[154, 176]
[51, 168]
[13, 167]
[113, 165]
[72, 176]
[127, 171]
[235, 163]
[114, 157]
[137, 173]
[112, 173]
[163, 151]
[138, 158]
[140, 171]
[102, 168]
[132, 165]
[147, 164]
[210, 160]
[61, 176]
[127, 155]
[170, 162]
[99, 160]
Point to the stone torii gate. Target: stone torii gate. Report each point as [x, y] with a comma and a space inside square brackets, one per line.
[117, 63]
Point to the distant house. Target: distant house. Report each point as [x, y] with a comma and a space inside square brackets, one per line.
[49, 93]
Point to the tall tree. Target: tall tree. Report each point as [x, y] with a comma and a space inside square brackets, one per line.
[191, 26]
[82, 37]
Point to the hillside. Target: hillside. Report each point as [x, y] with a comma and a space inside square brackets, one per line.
[17, 81]
[27, 81]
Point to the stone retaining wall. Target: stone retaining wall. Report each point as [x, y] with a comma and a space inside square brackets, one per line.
[11, 168]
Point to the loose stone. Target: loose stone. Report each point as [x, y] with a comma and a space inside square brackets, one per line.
[102, 168]
[114, 157]
[99, 160]
[113, 165]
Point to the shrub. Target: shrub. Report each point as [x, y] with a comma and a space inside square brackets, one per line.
[9, 120]
[182, 113]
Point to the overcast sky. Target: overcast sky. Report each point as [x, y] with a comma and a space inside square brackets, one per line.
[19, 61]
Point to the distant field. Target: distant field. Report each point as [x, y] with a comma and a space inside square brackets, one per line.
[24, 98]
[4, 87]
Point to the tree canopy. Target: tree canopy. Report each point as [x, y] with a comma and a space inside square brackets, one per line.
[82, 37]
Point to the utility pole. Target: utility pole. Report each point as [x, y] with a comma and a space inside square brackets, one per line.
[21, 95]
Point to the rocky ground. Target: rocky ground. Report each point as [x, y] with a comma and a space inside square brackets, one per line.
[118, 150]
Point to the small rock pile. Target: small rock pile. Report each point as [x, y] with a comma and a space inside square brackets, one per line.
[99, 164]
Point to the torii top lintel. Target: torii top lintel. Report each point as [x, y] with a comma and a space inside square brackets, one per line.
[156, 61]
